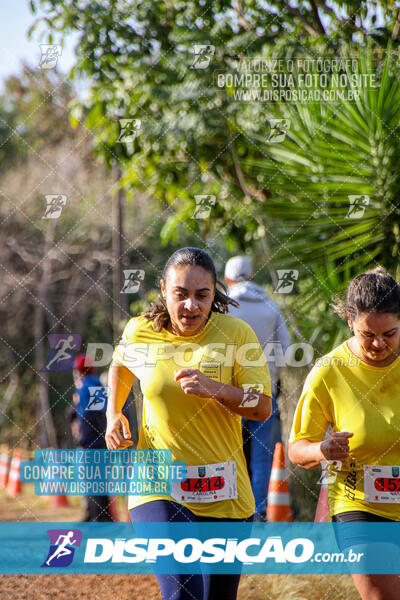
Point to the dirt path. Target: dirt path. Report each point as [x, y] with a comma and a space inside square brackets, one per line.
[28, 507]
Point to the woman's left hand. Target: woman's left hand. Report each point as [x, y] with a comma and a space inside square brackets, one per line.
[195, 382]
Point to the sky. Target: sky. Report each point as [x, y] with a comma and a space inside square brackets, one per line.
[15, 20]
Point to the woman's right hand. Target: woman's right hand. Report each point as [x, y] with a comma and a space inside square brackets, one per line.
[118, 433]
[336, 446]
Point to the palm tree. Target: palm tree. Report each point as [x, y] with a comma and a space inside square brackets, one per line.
[332, 186]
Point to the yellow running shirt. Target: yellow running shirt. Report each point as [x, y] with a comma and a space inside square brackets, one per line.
[350, 395]
[198, 431]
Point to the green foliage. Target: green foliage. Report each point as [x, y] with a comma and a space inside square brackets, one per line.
[333, 151]
[52, 157]
[33, 102]
[286, 202]
[139, 59]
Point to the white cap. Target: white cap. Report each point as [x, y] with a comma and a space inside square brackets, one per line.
[238, 268]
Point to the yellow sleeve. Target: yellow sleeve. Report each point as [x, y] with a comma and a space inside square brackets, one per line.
[250, 369]
[123, 350]
[312, 418]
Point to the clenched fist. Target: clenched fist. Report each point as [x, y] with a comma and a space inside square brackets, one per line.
[195, 382]
[336, 446]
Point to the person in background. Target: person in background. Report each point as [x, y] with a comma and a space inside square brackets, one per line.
[265, 318]
[89, 426]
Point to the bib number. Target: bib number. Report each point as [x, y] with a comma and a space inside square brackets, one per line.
[381, 484]
[207, 483]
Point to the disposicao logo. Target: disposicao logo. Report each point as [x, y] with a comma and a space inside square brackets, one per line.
[62, 547]
[190, 550]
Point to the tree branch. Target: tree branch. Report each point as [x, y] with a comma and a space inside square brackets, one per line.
[314, 9]
[396, 27]
[237, 5]
[297, 13]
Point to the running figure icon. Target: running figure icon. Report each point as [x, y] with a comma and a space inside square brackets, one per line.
[287, 279]
[63, 346]
[62, 549]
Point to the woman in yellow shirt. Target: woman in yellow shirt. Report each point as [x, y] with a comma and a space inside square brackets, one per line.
[200, 371]
[355, 389]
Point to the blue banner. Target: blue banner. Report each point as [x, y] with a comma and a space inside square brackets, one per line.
[253, 548]
[102, 472]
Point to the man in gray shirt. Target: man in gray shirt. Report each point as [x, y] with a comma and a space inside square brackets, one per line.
[265, 317]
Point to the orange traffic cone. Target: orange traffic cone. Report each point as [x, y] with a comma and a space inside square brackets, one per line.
[59, 501]
[4, 465]
[322, 514]
[279, 508]
[14, 485]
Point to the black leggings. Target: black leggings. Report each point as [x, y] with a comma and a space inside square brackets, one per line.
[186, 587]
[349, 534]
[353, 516]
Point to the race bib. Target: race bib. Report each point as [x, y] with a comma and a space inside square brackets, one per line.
[381, 484]
[207, 483]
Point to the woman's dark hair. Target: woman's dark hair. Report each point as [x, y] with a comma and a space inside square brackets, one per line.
[374, 291]
[194, 257]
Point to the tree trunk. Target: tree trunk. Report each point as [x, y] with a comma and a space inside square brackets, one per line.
[133, 410]
[119, 300]
[44, 418]
[11, 388]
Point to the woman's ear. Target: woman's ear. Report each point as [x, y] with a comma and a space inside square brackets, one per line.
[350, 324]
[162, 285]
